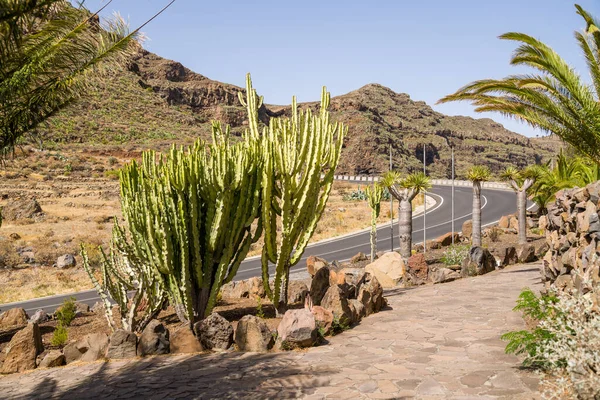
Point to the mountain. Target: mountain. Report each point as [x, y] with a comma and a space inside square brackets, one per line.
[157, 102]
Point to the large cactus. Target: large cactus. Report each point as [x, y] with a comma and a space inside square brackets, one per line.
[192, 214]
[374, 194]
[134, 285]
[300, 154]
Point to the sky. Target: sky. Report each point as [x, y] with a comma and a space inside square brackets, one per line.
[426, 48]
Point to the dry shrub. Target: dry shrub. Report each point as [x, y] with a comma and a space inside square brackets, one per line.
[9, 258]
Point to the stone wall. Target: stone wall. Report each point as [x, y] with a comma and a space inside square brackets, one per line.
[573, 234]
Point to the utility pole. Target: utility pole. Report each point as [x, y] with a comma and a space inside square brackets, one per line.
[452, 149]
[424, 203]
[391, 210]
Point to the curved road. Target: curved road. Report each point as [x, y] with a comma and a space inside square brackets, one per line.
[495, 203]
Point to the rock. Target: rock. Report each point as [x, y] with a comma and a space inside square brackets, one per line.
[297, 328]
[15, 236]
[81, 308]
[320, 284]
[253, 334]
[236, 290]
[543, 223]
[433, 245]
[13, 317]
[351, 276]
[358, 258]
[441, 275]
[39, 317]
[418, 268]
[504, 222]
[514, 223]
[357, 309]
[505, 255]
[91, 347]
[27, 254]
[215, 332]
[480, 261]
[297, 292]
[21, 209]
[542, 250]
[183, 341]
[388, 269]
[256, 288]
[98, 307]
[370, 294]
[446, 240]
[335, 301]
[154, 340]
[526, 253]
[323, 319]
[467, 229]
[65, 261]
[22, 350]
[54, 358]
[122, 344]
[313, 264]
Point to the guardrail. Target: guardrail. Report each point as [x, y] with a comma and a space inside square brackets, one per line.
[437, 182]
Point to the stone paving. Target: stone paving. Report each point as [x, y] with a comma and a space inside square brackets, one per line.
[434, 342]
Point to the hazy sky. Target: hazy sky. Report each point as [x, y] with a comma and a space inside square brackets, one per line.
[424, 48]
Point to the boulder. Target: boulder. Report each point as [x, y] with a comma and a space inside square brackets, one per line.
[215, 332]
[183, 341]
[441, 275]
[388, 269]
[357, 309]
[253, 334]
[504, 222]
[351, 276]
[98, 307]
[297, 328]
[236, 290]
[467, 229]
[358, 258]
[446, 240]
[418, 268]
[91, 347]
[335, 301]
[256, 288]
[313, 264]
[480, 261]
[81, 308]
[542, 250]
[504, 256]
[54, 358]
[13, 317]
[433, 245]
[154, 340]
[22, 350]
[38, 317]
[20, 209]
[514, 223]
[122, 344]
[526, 253]
[297, 292]
[323, 319]
[65, 261]
[370, 294]
[320, 284]
[543, 223]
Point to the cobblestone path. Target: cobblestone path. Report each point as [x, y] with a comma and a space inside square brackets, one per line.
[434, 342]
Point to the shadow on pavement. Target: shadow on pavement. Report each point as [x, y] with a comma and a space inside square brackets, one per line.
[233, 375]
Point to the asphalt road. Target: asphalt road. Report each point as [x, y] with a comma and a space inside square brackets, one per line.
[495, 203]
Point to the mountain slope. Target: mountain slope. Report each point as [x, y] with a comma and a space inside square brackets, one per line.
[158, 101]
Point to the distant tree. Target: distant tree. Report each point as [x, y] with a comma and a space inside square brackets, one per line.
[521, 182]
[555, 100]
[405, 190]
[374, 195]
[477, 174]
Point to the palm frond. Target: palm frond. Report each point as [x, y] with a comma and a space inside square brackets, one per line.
[479, 173]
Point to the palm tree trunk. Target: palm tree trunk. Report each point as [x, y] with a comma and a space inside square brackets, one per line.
[405, 228]
[522, 215]
[373, 235]
[476, 241]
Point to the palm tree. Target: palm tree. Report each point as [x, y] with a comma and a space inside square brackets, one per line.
[405, 190]
[521, 182]
[555, 99]
[48, 52]
[477, 174]
[374, 194]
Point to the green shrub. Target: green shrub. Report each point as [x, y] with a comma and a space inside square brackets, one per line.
[112, 174]
[455, 254]
[530, 342]
[360, 195]
[65, 314]
[260, 313]
[339, 326]
[60, 335]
